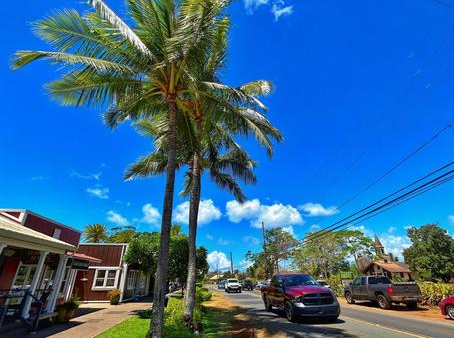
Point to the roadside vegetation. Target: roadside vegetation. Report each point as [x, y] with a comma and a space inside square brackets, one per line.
[214, 322]
[344, 254]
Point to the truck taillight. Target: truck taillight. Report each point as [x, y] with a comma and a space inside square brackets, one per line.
[390, 290]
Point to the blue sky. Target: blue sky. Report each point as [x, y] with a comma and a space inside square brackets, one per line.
[358, 86]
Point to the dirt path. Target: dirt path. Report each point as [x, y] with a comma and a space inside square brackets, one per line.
[243, 325]
[432, 314]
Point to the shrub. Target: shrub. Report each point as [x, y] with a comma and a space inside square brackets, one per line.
[71, 304]
[202, 294]
[434, 293]
[336, 285]
[114, 296]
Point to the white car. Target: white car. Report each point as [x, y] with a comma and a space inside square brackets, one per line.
[232, 285]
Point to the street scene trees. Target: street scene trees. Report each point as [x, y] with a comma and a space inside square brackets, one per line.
[189, 88]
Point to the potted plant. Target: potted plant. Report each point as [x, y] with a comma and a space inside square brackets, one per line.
[61, 313]
[71, 306]
[114, 296]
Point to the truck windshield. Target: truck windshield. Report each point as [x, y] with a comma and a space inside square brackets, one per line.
[233, 280]
[295, 280]
[379, 280]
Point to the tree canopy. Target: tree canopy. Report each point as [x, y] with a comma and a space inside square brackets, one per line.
[431, 253]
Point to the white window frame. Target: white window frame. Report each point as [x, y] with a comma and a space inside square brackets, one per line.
[132, 278]
[65, 279]
[104, 287]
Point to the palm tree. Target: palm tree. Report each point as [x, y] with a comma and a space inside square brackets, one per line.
[136, 73]
[95, 233]
[224, 168]
[123, 234]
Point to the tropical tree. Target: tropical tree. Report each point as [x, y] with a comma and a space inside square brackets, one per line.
[123, 234]
[431, 253]
[135, 72]
[96, 233]
[217, 154]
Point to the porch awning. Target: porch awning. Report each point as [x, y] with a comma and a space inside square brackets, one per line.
[13, 234]
[84, 257]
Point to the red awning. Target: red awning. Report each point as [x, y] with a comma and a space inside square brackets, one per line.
[84, 257]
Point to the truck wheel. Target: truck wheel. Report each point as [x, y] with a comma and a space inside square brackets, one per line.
[349, 298]
[450, 311]
[268, 306]
[239, 291]
[289, 312]
[412, 305]
[383, 302]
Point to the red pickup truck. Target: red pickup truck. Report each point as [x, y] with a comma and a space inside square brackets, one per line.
[299, 295]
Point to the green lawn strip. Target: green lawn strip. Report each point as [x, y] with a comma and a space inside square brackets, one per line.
[216, 323]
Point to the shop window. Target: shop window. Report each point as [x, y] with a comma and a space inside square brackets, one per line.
[132, 277]
[105, 279]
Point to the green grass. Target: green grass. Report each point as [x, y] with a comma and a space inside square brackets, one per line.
[216, 323]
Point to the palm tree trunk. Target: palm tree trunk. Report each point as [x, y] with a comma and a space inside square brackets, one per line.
[193, 214]
[160, 286]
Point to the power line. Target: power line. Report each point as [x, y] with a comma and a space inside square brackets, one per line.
[388, 172]
[426, 189]
[443, 3]
[348, 220]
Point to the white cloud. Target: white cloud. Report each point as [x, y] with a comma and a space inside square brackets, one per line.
[208, 212]
[315, 227]
[244, 264]
[252, 5]
[251, 240]
[392, 242]
[40, 178]
[451, 219]
[151, 215]
[395, 244]
[74, 173]
[99, 192]
[279, 9]
[316, 209]
[275, 215]
[289, 229]
[116, 218]
[223, 241]
[208, 236]
[218, 260]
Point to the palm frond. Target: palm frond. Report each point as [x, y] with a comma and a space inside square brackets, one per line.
[109, 15]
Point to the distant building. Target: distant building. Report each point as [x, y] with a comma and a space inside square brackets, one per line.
[388, 265]
[111, 272]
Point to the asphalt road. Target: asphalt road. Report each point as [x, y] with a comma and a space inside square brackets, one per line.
[351, 323]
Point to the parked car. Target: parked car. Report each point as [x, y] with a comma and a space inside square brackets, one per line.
[299, 294]
[324, 283]
[247, 285]
[232, 285]
[221, 284]
[260, 285]
[380, 289]
[447, 307]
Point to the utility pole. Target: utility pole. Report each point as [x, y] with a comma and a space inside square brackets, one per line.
[264, 248]
[263, 235]
[231, 261]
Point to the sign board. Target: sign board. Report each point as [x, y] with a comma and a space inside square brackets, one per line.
[78, 264]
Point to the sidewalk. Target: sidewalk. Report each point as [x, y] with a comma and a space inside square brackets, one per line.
[93, 319]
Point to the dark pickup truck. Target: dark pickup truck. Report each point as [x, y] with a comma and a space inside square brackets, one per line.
[298, 295]
[381, 290]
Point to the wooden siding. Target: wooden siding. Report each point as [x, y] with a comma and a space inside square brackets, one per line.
[110, 255]
[47, 227]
